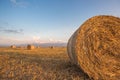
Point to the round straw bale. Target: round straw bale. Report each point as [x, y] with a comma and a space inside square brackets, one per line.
[13, 46]
[52, 47]
[30, 47]
[95, 47]
[38, 46]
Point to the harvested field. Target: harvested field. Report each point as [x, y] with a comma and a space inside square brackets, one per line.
[38, 64]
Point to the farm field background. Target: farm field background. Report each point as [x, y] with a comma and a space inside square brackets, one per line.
[38, 64]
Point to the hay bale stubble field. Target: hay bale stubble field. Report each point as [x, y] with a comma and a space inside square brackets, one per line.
[38, 64]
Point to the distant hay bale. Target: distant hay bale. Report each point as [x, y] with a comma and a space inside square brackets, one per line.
[30, 47]
[13, 46]
[95, 47]
[38, 46]
[52, 47]
[21, 47]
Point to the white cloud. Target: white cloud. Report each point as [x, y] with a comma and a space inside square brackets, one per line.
[19, 3]
[14, 31]
[14, 1]
[28, 40]
[8, 41]
[36, 39]
[56, 41]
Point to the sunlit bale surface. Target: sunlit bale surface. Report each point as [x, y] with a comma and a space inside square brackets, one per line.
[95, 47]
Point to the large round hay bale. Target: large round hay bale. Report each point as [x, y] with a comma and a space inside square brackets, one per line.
[95, 47]
[30, 47]
[13, 46]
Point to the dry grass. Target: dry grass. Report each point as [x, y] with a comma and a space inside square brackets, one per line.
[95, 47]
[38, 64]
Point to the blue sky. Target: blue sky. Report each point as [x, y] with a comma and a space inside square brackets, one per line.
[41, 21]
